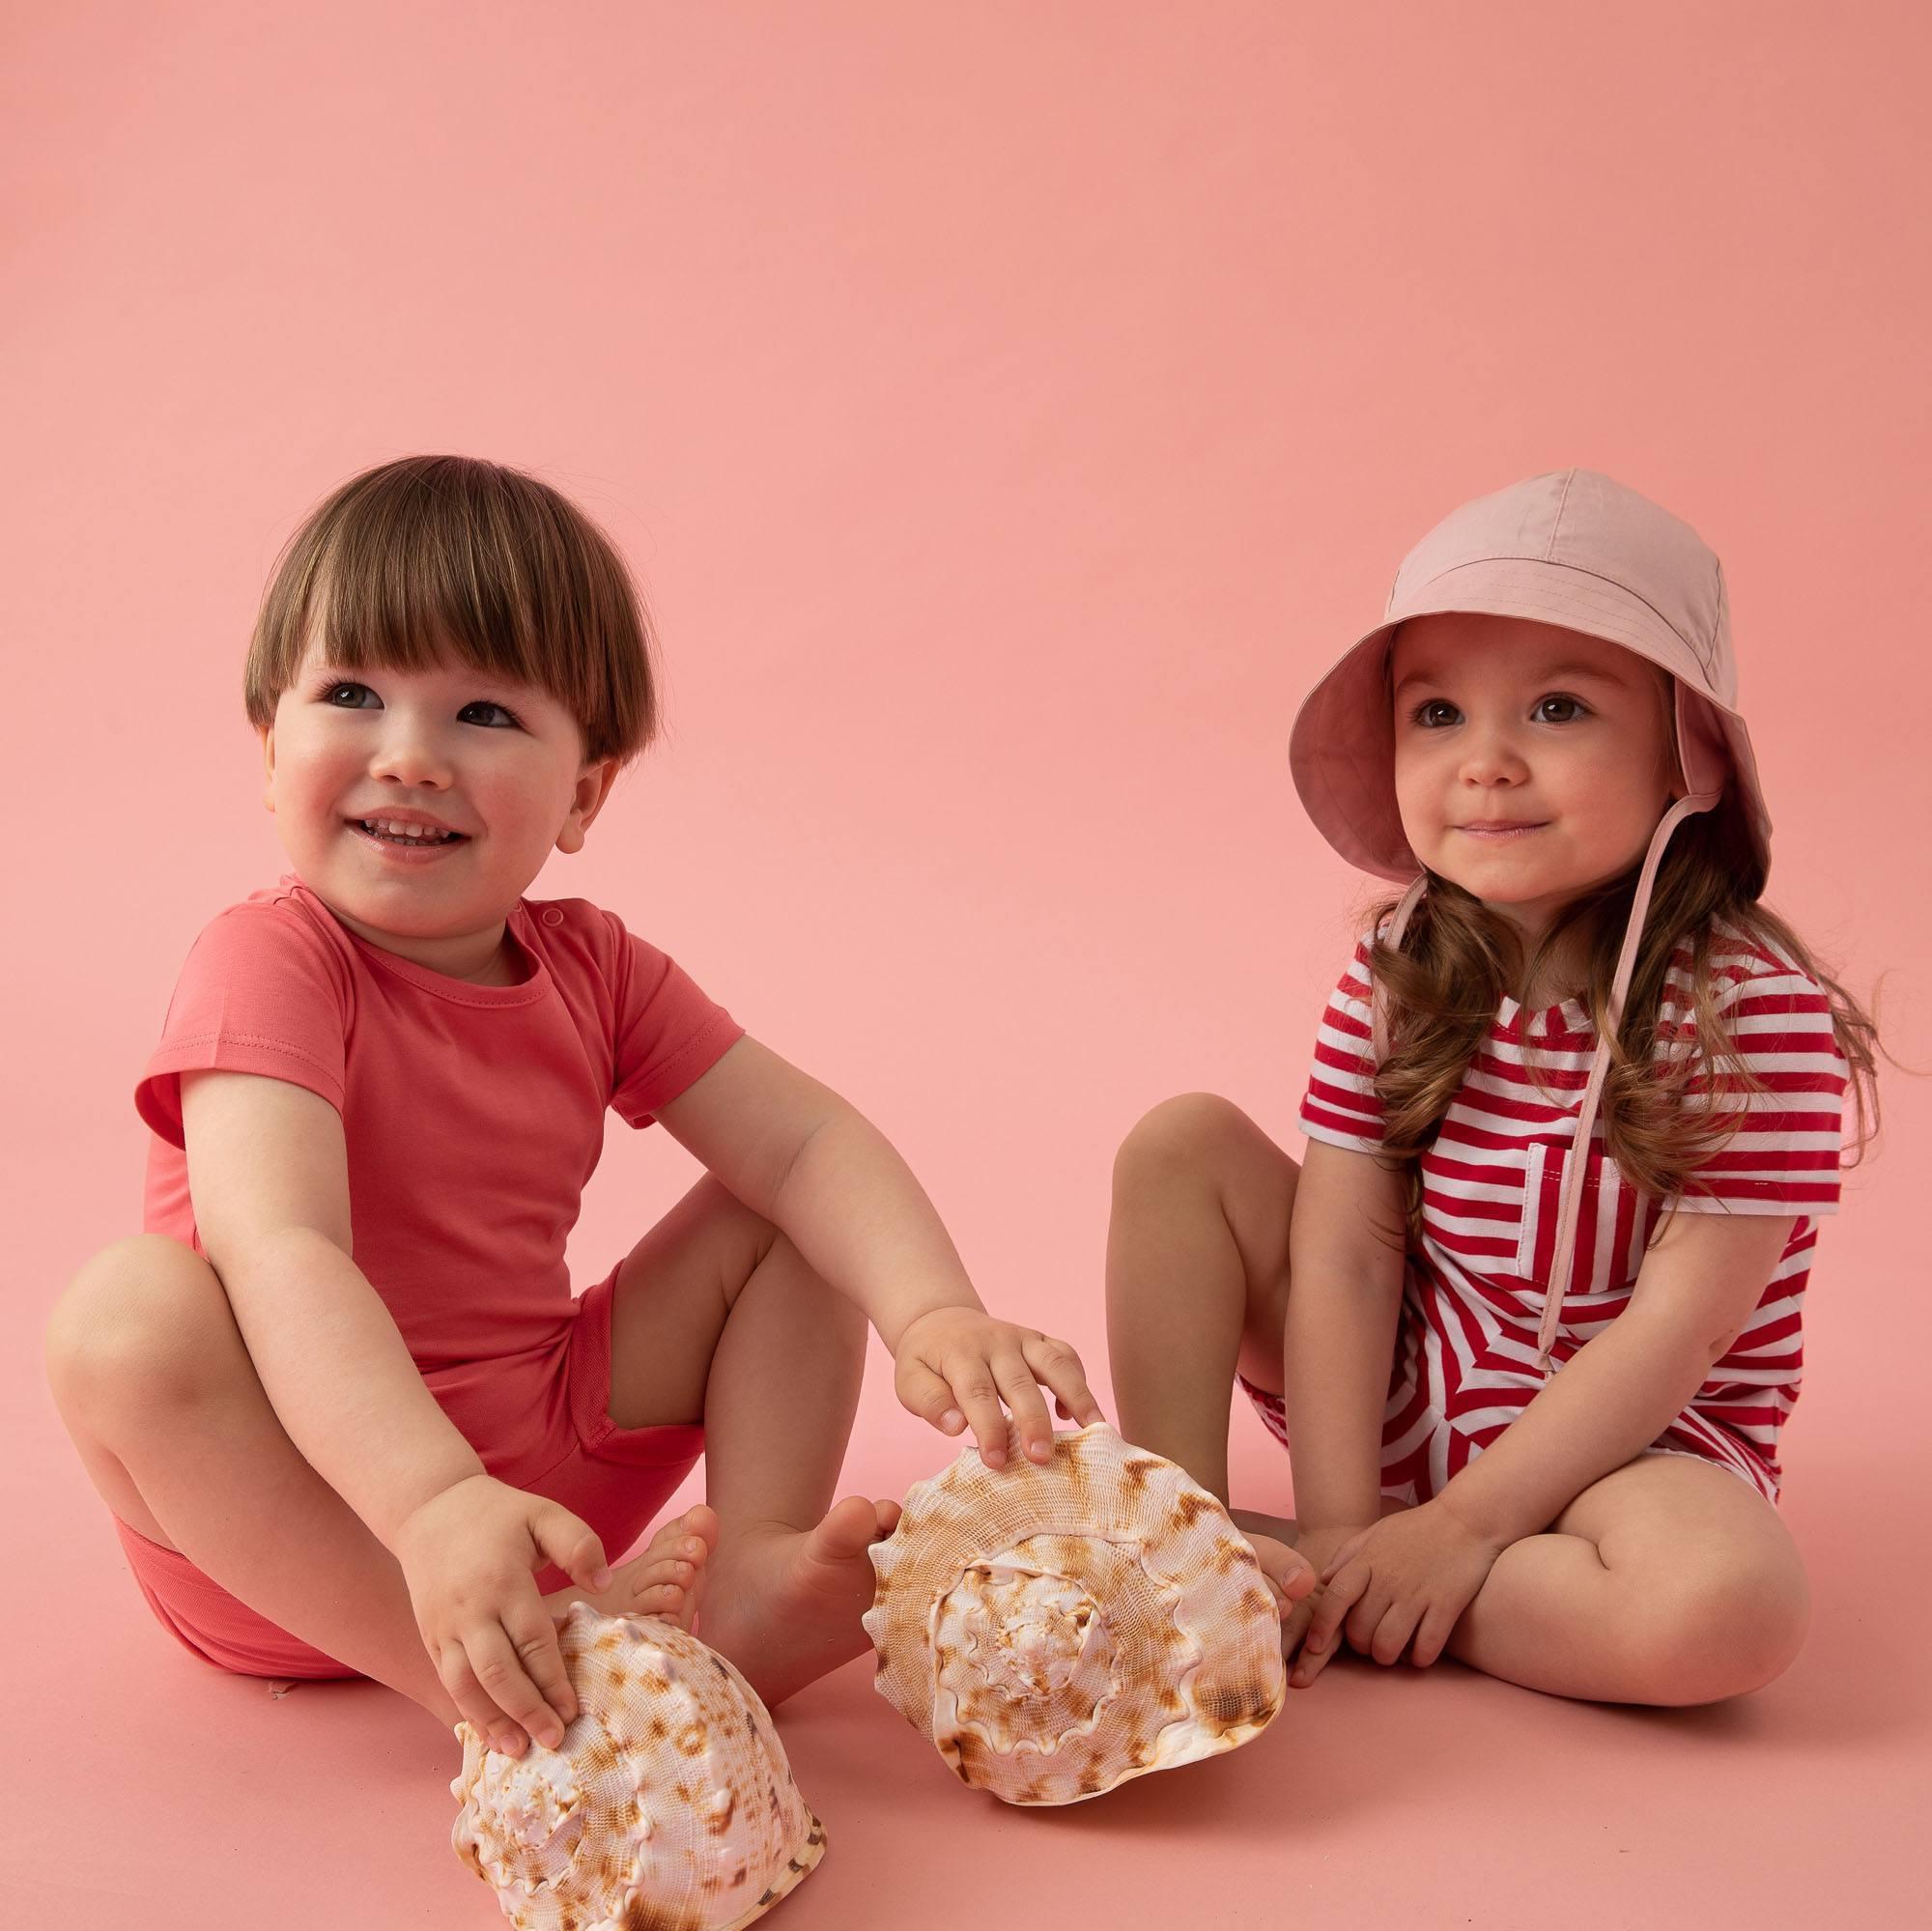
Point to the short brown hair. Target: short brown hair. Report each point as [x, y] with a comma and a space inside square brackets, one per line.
[430, 555]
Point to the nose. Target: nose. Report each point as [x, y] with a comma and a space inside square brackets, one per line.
[1489, 756]
[410, 751]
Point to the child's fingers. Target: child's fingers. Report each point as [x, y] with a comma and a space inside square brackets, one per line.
[1345, 1555]
[472, 1700]
[569, 1542]
[1432, 1634]
[1362, 1622]
[1056, 1364]
[1308, 1665]
[1392, 1632]
[535, 1687]
[925, 1394]
[1303, 1664]
[974, 1390]
[1338, 1597]
[1030, 1416]
[488, 1683]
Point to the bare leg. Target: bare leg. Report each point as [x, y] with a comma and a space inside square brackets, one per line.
[1666, 1581]
[155, 1385]
[1197, 1276]
[1197, 1283]
[718, 1313]
[1669, 1580]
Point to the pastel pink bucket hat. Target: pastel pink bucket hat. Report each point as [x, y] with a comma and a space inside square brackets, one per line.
[1577, 549]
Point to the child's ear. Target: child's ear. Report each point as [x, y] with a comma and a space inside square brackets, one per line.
[593, 786]
[268, 736]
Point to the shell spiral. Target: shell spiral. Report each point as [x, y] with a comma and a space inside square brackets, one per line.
[668, 1802]
[1055, 1630]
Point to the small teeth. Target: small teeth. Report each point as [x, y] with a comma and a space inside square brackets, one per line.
[397, 830]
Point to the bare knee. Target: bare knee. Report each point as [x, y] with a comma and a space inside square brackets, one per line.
[1722, 1631]
[141, 1322]
[1185, 1138]
[1196, 1173]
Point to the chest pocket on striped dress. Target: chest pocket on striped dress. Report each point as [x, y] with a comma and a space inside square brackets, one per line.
[1614, 1221]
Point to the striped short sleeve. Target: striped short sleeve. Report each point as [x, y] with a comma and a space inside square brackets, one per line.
[1340, 1105]
[1785, 1158]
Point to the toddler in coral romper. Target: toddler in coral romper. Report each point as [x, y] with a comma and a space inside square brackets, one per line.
[338, 1396]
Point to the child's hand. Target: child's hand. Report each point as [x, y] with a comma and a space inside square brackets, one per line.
[1412, 1574]
[469, 1556]
[956, 1359]
[1287, 1574]
[1317, 1547]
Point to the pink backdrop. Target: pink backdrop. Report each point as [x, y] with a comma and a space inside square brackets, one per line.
[1009, 411]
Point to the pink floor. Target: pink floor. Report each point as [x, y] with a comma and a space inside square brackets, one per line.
[1010, 409]
[158, 1791]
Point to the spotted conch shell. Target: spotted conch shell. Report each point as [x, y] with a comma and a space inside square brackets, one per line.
[1057, 1629]
[668, 1802]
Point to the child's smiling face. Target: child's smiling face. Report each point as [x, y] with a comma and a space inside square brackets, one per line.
[499, 762]
[1502, 718]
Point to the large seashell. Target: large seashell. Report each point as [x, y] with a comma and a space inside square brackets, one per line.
[1056, 1630]
[668, 1802]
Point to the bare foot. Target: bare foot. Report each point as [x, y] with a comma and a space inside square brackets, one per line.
[785, 1604]
[1288, 1572]
[667, 1580]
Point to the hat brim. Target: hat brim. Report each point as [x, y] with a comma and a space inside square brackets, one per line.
[1341, 744]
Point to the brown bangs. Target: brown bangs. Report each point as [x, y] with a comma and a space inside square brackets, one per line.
[434, 557]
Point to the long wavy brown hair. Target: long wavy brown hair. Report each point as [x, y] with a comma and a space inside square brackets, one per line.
[430, 555]
[1459, 960]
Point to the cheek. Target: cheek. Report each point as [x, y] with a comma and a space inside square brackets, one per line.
[312, 773]
[1419, 787]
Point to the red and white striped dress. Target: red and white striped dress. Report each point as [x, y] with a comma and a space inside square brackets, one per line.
[1465, 1353]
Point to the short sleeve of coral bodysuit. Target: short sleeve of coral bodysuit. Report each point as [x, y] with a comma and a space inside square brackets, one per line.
[473, 1115]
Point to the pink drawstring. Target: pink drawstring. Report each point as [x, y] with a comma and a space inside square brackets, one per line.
[1378, 1008]
[1575, 1156]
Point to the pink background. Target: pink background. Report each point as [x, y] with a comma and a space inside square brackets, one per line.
[1010, 411]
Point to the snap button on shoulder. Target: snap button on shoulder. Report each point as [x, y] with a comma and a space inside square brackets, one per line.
[552, 915]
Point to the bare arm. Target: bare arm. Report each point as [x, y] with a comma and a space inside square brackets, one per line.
[810, 1163]
[1621, 1390]
[1338, 1333]
[268, 1172]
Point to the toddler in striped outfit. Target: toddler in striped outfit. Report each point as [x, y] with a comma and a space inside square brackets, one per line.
[1528, 1314]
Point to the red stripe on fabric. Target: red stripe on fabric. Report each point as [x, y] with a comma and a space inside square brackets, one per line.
[1339, 1122]
[1481, 1244]
[1583, 1267]
[1737, 1415]
[1626, 1233]
[1340, 1100]
[1466, 1209]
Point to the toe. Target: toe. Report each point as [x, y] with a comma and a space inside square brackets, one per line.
[700, 1520]
[673, 1571]
[849, 1529]
[692, 1537]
